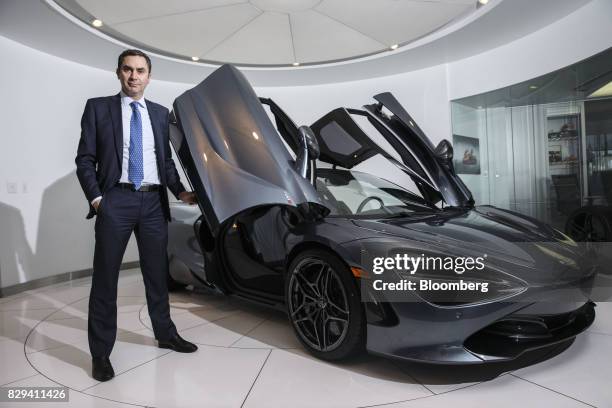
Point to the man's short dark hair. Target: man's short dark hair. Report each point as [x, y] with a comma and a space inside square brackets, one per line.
[136, 53]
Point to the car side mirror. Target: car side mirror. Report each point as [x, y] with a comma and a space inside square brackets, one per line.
[444, 151]
[309, 149]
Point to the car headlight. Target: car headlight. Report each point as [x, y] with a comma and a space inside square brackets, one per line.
[561, 236]
[401, 274]
[447, 288]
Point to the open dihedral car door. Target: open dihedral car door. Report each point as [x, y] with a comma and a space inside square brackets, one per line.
[344, 143]
[411, 141]
[231, 151]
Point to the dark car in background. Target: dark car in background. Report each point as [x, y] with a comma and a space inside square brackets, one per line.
[287, 217]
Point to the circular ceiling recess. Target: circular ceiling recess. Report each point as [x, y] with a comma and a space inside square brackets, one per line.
[284, 6]
[269, 33]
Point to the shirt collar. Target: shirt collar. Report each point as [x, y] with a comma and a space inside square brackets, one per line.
[126, 100]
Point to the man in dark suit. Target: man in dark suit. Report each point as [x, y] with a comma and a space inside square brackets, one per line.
[124, 165]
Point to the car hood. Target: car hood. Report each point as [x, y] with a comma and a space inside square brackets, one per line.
[511, 242]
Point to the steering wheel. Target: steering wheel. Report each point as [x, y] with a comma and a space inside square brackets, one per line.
[367, 200]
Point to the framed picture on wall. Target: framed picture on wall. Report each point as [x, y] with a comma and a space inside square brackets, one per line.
[466, 154]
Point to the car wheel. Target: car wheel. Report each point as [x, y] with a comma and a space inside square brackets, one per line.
[323, 304]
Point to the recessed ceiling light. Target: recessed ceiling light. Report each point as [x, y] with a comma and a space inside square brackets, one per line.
[605, 90]
[255, 135]
[483, 2]
[394, 46]
[296, 64]
[97, 23]
[195, 58]
[533, 87]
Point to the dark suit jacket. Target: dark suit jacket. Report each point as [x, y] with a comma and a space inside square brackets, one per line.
[100, 152]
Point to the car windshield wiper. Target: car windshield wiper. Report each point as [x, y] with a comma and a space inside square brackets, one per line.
[401, 214]
[422, 210]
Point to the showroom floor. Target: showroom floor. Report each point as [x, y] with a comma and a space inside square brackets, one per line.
[249, 357]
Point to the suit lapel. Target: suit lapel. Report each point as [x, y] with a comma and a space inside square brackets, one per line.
[157, 133]
[115, 110]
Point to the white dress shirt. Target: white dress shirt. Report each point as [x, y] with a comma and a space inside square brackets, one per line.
[150, 171]
[148, 142]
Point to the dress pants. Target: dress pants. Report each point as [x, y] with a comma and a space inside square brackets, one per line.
[120, 212]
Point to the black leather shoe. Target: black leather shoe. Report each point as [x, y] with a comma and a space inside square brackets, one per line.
[102, 370]
[178, 344]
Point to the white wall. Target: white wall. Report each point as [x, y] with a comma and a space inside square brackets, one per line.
[573, 38]
[43, 231]
[423, 94]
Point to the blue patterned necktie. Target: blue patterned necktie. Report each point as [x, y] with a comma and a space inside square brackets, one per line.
[135, 166]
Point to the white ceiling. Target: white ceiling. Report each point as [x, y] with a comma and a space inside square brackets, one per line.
[43, 25]
[270, 32]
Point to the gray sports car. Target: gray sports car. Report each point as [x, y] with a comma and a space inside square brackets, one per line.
[295, 218]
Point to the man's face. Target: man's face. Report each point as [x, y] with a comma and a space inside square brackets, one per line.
[134, 76]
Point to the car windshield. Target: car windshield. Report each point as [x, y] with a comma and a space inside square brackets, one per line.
[357, 194]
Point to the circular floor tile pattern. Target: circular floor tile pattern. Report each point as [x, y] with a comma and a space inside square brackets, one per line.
[249, 356]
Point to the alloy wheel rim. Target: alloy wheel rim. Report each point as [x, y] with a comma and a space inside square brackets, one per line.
[318, 305]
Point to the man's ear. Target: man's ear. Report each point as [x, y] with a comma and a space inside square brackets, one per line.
[117, 72]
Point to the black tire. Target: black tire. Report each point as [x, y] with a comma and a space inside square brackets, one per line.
[590, 224]
[324, 306]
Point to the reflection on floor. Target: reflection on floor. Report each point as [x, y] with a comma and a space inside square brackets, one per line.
[249, 357]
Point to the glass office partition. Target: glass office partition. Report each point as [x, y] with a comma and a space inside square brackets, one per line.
[598, 118]
[542, 147]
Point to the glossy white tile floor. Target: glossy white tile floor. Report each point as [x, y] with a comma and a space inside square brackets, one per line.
[249, 357]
